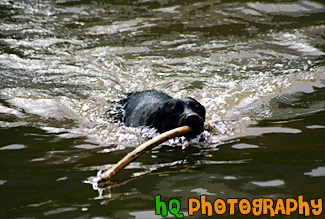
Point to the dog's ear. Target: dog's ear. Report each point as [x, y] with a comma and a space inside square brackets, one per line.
[153, 119]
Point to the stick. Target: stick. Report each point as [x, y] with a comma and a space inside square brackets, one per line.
[108, 174]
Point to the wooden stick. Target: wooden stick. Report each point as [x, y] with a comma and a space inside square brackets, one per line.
[108, 174]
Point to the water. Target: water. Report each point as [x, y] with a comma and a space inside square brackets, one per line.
[257, 67]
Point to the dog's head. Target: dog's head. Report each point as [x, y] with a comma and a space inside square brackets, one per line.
[174, 113]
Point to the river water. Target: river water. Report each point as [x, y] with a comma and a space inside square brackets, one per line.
[257, 67]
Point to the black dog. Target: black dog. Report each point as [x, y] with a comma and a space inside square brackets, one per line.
[161, 111]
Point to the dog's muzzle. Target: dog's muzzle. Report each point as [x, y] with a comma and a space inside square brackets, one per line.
[193, 120]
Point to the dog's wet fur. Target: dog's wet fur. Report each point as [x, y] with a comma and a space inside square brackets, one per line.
[158, 110]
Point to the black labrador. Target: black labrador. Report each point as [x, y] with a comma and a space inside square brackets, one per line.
[156, 109]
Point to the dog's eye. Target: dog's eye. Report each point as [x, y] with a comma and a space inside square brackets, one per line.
[177, 109]
[194, 107]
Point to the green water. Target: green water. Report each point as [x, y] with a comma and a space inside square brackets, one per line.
[257, 67]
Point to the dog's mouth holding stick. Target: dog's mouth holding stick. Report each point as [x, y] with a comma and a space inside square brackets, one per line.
[176, 132]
